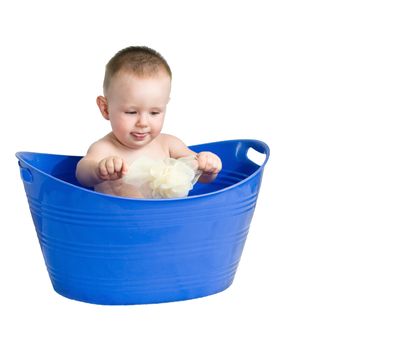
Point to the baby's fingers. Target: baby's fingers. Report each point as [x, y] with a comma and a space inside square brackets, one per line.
[124, 167]
[209, 163]
[118, 165]
[217, 165]
[213, 166]
[116, 168]
[110, 165]
[112, 168]
[103, 170]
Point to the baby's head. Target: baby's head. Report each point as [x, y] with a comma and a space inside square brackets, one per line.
[136, 91]
[137, 60]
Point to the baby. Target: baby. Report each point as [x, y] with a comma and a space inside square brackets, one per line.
[136, 93]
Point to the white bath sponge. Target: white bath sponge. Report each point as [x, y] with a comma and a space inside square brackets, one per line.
[164, 178]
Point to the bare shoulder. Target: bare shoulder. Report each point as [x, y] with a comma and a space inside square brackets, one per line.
[176, 147]
[101, 148]
[168, 139]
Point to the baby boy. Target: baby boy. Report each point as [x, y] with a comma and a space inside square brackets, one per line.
[136, 92]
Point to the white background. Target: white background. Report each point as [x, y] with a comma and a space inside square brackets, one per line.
[331, 260]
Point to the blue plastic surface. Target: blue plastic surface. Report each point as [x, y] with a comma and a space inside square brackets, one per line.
[105, 249]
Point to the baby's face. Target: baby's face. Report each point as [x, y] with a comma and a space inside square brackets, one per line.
[137, 106]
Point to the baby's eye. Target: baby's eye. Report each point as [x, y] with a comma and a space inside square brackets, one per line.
[130, 112]
[154, 113]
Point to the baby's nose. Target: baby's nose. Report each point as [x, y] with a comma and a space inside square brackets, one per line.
[142, 120]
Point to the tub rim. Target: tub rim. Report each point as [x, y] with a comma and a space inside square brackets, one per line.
[253, 143]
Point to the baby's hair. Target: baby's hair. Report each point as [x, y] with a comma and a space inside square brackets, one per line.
[140, 60]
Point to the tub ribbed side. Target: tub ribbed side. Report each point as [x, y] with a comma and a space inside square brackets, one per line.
[143, 256]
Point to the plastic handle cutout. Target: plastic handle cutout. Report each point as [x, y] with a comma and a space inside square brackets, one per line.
[25, 174]
[255, 156]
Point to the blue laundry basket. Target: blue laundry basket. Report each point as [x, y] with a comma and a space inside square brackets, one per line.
[105, 249]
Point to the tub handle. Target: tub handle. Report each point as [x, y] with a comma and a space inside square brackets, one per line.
[253, 149]
[25, 173]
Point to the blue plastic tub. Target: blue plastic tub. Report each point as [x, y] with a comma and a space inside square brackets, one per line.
[105, 249]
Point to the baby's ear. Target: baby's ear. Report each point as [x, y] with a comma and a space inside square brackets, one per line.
[102, 103]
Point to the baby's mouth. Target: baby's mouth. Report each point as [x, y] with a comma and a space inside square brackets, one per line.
[139, 135]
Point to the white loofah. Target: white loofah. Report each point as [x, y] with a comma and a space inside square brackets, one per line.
[165, 178]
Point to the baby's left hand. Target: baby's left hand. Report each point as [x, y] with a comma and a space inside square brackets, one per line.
[209, 163]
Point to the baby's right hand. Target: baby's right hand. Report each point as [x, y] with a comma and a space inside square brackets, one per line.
[112, 168]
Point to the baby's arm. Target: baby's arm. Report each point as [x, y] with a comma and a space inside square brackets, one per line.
[95, 167]
[208, 162]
